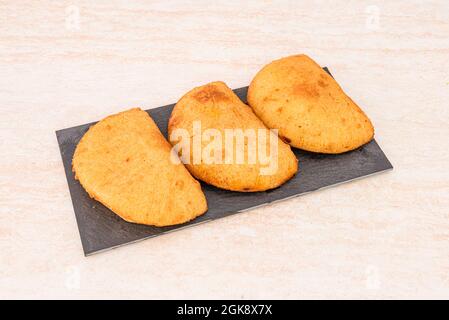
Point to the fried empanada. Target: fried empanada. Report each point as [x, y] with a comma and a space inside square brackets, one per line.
[226, 131]
[310, 109]
[125, 163]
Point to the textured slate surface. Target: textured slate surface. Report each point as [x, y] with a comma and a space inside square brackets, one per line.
[100, 229]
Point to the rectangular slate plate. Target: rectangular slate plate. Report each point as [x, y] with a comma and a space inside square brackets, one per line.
[100, 229]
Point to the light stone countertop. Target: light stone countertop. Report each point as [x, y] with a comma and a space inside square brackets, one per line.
[65, 63]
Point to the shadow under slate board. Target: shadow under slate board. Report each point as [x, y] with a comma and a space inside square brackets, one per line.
[100, 229]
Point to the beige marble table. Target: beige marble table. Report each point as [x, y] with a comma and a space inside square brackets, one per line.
[64, 63]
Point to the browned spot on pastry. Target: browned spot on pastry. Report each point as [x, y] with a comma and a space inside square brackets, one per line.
[268, 98]
[330, 146]
[306, 90]
[285, 139]
[174, 121]
[322, 84]
[127, 159]
[210, 93]
[180, 184]
[279, 109]
[343, 120]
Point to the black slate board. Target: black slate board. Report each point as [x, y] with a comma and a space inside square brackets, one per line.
[100, 229]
